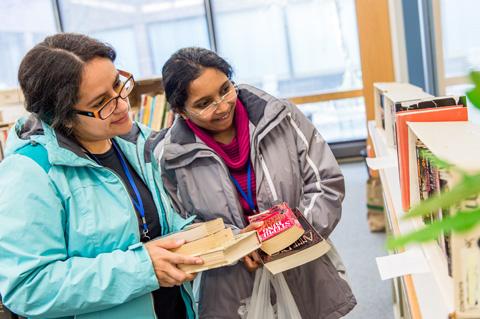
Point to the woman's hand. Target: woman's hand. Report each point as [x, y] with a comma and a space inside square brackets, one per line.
[252, 261]
[164, 262]
[252, 226]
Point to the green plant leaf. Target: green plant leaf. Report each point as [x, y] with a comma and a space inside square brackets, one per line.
[474, 94]
[475, 77]
[459, 223]
[467, 187]
[437, 162]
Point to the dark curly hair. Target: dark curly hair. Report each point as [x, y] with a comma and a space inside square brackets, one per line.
[51, 72]
[183, 67]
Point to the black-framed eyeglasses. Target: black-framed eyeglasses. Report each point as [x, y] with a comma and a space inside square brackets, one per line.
[123, 89]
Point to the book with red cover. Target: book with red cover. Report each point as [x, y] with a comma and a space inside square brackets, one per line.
[443, 114]
[280, 228]
[310, 246]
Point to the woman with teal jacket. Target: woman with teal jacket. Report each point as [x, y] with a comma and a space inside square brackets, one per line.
[81, 197]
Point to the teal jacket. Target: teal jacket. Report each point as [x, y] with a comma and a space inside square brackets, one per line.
[69, 236]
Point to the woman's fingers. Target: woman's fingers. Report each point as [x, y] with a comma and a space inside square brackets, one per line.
[250, 264]
[252, 226]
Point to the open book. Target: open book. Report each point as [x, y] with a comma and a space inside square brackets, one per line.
[214, 243]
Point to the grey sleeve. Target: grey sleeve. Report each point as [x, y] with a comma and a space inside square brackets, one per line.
[323, 183]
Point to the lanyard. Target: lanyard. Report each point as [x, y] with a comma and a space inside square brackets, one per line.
[137, 203]
[249, 196]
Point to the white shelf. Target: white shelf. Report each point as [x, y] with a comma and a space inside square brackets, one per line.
[429, 295]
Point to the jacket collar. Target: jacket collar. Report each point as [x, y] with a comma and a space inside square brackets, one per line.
[262, 108]
[62, 149]
[254, 100]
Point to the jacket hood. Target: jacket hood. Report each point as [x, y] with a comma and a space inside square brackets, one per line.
[62, 150]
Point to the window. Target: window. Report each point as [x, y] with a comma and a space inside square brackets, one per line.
[290, 47]
[144, 33]
[461, 48]
[339, 120]
[24, 24]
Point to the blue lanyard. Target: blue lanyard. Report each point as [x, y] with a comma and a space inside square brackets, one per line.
[249, 196]
[137, 203]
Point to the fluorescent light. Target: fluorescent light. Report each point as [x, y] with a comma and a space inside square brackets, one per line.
[106, 5]
[165, 6]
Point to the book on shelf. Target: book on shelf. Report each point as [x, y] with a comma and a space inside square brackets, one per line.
[392, 100]
[421, 104]
[454, 113]
[386, 95]
[308, 247]
[152, 111]
[382, 88]
[280, 228]
[4, 128]
[458, 144]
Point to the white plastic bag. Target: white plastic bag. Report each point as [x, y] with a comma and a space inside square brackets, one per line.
[286, 306]
[259, 305]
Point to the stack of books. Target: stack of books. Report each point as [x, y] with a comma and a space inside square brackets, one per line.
[280, 228]
[215, 244]
[289, 240]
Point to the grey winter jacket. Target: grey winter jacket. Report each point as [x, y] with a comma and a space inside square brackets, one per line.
[292, 163]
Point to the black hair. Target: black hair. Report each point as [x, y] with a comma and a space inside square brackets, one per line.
[51, 72]
[183, 67]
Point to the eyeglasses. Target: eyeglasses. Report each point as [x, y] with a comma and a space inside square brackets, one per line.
[123, 88]
[210, 108]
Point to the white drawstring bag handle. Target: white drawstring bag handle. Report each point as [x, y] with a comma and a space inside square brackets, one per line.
[259, 305]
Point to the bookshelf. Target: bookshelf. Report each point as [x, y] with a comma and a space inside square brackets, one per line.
[426, 295]
[148, 104]
[458, 144]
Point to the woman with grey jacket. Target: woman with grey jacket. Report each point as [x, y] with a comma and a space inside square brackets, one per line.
[235, 150]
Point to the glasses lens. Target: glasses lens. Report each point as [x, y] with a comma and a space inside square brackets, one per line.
[108, 109]
[213, 106]
[127, 88]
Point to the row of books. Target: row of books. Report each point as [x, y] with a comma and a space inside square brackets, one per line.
[457, 143]
[396, 104]
[285, 240]
[153, 112]
[433, 180]
[3, 139]
[421, 129]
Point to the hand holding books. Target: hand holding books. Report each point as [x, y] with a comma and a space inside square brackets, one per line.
[252, 261]
[165, 262]
[288, 239]
[215, 244]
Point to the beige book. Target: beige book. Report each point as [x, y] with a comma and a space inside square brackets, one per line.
[159, 112]
[208, 243]
[310, 246]
[196, 231]
[226, 254]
